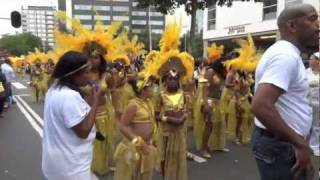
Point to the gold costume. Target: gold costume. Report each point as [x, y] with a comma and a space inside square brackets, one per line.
[133, 163]
[105, 124]
[174, 139]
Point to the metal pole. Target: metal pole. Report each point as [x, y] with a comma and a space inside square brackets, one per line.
[150, 30]
[92, 14]
[185, 42]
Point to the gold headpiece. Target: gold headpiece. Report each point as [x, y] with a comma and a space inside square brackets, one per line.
[16, 61]
[214, 52]
[99, 41]
[36, 56]
[170, 58]
[248, 58]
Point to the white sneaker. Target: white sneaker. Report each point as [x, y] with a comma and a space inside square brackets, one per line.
[316, 153]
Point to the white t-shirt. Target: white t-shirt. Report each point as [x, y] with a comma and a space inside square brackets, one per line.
[65, 156]
[8, 71]
[281, 65]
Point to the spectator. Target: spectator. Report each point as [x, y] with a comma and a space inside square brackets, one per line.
[3, 82]
[69, 121]
[283, 114]
[9, 73]
[314, 79]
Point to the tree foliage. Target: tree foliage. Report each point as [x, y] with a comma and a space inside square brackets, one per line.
[20, 44]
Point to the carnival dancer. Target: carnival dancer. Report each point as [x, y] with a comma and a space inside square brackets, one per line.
[172, 66]
[209, 127]
[136, 156]
[240, 119]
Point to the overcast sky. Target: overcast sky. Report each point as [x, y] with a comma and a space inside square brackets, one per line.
[12, 5]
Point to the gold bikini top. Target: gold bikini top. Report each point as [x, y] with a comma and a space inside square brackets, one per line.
[173, 102]
[144, 112]
[102, 84]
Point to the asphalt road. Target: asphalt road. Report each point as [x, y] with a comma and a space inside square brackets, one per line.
[20, 148]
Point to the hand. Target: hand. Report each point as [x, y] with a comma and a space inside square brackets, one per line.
[303, 161]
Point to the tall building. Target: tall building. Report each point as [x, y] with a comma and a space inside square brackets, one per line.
[134, 18]
[222, 24]
[39, 20]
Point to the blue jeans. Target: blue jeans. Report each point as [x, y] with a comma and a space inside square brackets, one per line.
[274, 157]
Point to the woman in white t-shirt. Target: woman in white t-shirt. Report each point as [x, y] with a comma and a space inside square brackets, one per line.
[313, 73]
[69, 121]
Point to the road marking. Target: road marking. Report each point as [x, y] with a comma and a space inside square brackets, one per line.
[31, 111]
[35, 126]
[18, 85]
[23, 95]
[196, 158]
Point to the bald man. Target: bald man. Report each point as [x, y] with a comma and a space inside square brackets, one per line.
[280, 105]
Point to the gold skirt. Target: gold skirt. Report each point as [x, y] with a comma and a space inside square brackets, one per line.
[134, 165]
[175, 153]
[103, 150]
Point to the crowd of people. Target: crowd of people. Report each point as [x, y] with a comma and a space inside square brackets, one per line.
[7, 75]
[111, 106]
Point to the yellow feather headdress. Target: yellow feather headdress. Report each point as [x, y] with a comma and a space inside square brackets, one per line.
[122, 58]
[214, 52]
[16, 61]
[169, 57]
[248, 56]
[35, 56]
[171, 37]
[100, 40]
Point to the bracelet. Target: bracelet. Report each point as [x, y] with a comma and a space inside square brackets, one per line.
[164, 119]
[137, 141]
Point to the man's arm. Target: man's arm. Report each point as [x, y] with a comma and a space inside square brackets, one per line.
[263, 107]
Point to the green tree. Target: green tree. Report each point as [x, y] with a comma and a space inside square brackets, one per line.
[144, 38]
[191, 7]
[20, 44]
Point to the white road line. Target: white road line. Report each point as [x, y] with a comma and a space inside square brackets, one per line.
[18, 85]
[196, 158]
[35, 126]
[31, 111]
[23, 95]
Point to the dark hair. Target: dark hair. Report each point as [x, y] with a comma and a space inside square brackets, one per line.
[69, 62]
[103, 66]
[218, 68]
[133, 83]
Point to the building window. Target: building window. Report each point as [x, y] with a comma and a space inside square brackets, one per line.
[212, 17]
[101, 8]
[139, 13]
[121, 8]
[139, 22]
[157, 31]
[292, 2]
[135, 4]
[137, 31]
[269, 9]
[83, 17]
[159, 23]
[104, 18]
[82, 7]
[155, 14]
[121, 18]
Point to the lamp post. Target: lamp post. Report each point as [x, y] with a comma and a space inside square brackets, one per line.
[150, 30]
